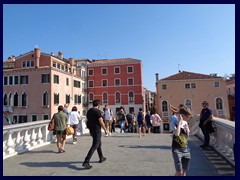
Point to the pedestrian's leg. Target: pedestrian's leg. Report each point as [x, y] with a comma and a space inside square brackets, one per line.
[95, 145]
[59, 144]
[63, 142]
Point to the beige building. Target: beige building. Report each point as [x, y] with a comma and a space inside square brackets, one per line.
[231, 96]
[36, 83]
[191, 89]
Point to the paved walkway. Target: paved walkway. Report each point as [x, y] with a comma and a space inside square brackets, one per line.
[127, 155]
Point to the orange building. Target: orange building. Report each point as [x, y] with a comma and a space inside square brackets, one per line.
[231, 97]
[191, 89]
[36, 83]
[116, 82]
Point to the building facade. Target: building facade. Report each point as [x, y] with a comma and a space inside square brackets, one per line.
[191, 89]
[116, 82]
[231, 96]
[36, 83]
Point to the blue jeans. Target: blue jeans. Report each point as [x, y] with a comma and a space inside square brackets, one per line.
[122, 126]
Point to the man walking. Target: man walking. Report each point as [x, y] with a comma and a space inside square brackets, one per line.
[94, 124]
[206, 123]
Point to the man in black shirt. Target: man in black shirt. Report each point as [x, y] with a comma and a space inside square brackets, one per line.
[94, 124]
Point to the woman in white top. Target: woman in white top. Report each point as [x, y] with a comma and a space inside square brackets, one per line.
[156, 123]
[73, 121]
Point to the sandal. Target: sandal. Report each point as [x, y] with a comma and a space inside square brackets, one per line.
[59, 151]
[62, 150]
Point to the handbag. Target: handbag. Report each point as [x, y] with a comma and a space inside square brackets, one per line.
[51, 125]
[69, 130]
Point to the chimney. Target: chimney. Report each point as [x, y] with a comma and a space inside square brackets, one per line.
[37, 53]
[60, 55]
[71, 61]
[157, 78]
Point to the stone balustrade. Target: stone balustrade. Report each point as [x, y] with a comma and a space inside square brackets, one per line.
[19, 138]
[222, 140]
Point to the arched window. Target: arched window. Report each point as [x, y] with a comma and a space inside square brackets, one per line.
[105, 98]
[188, 103]
[45, 99]
[130, 96]
[24, 99]
[15, 99]
[5, 100]
[90, 97]
[164, 106]
[219, 104]
[118, 97]
[10, 100]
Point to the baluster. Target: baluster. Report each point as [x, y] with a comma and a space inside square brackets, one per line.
[39, 136]
[33, 138]
[19, 142]
[26, 140]
[10, 144]
[4, 148]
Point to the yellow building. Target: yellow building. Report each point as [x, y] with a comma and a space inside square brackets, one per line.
[191, 89]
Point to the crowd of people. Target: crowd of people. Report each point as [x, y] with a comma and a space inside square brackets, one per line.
[141, 123]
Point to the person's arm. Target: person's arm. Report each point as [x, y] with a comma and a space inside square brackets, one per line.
[173, 108]
[177, 131]
[102, 124]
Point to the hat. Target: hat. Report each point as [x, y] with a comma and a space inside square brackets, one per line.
[185, 110]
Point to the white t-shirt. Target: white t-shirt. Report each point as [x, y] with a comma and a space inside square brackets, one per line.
[73, 118]
[108, 114]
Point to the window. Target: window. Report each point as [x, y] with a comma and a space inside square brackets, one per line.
[164, 106]
[131, 109]
[15, 80]
[104, 71]
[28, 64]
[117, 97]
[187, 86]
[105, 99]
[104, 82]
[90, 72]
[5, 80]
[216, 84]
[54, 64]
[10, 80]
[117, 82]
[10, 100]
[193, 85]
[34, 117]
[24, 64]
[5, 100]
[56, 79]
[67, 100]
[24, 99]
[219, 104]
[32, 63]
[56, 98]
[130, 81]
[45, 78]
[117, 70]
[15, 100]
[188, 103]
[130, 96]
[67, 82]
[130, 69]
[24, 79]
[45, 117]
[77, 84]
[45, 98]
[91, 97]
[164, 86]
[77, 99]
[22, 119]
[90, 83]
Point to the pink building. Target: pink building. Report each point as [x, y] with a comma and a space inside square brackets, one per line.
[36, 83]
[191, 89]
[116, 82]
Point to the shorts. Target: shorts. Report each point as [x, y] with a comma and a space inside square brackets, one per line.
[56, 132]
[181, 159]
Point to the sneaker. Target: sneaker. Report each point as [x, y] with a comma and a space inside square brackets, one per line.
[110, 134]
[106, 135]
[74, 142]
[102, 159]
[86, 165]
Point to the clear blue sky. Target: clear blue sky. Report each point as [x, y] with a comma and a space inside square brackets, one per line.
[196, 38]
